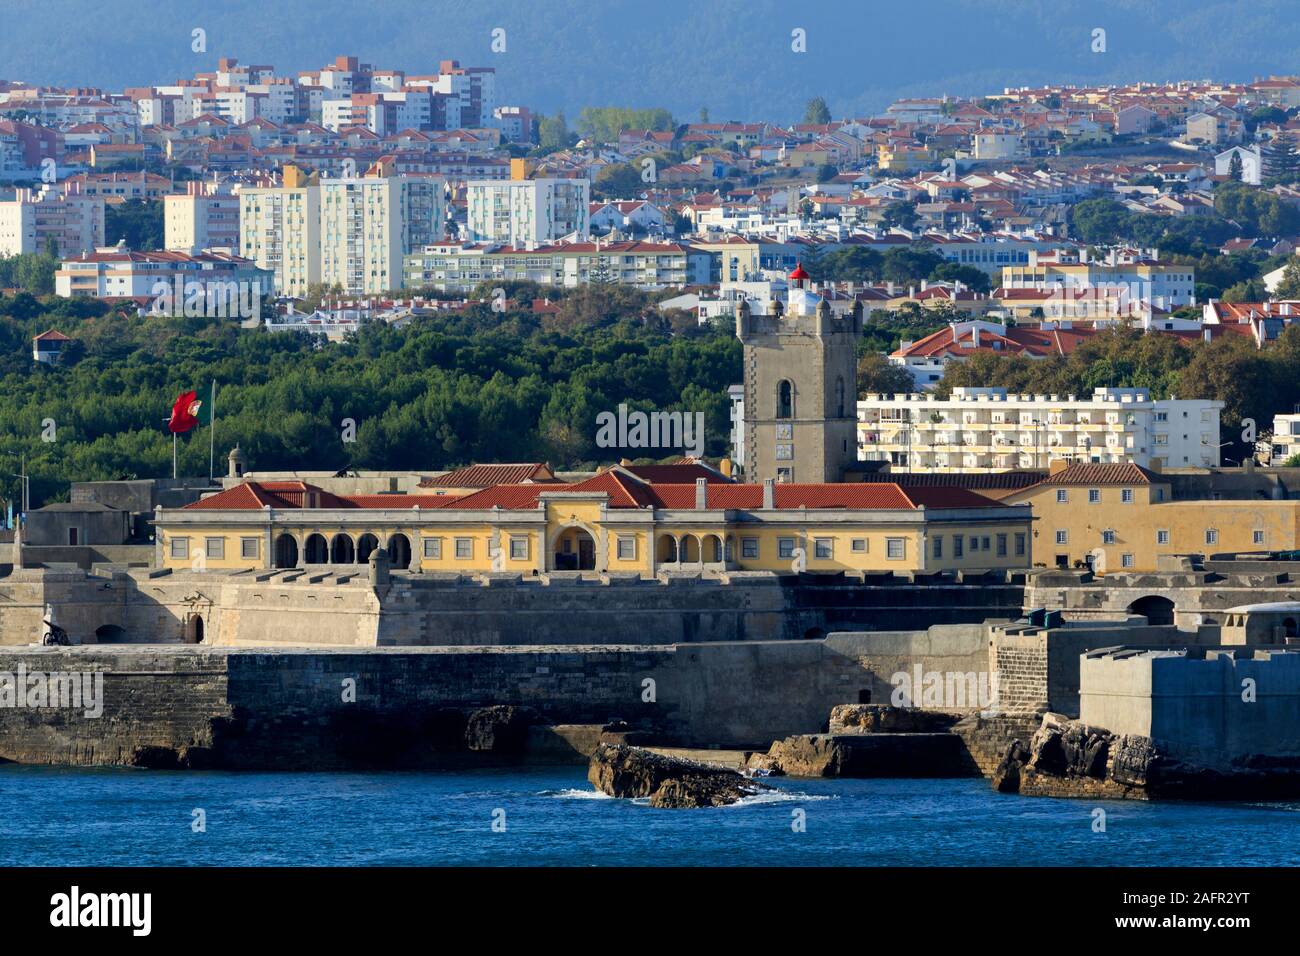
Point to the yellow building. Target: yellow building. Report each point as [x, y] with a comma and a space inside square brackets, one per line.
[615, 521]
[1119, 517]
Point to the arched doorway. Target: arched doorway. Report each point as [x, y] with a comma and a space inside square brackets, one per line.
[341, 550]
[194, 629]
[110, 634]
[1156, 609]
[399, 551]
[712, 549]
[575, 550]
[690, 549]
[286, 551]
[316, 550]
[366, 545]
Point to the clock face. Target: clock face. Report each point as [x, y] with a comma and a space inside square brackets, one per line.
[785, 431]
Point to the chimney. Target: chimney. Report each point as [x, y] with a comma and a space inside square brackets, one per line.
[769, 494]
[1057, 465]
[701, 494]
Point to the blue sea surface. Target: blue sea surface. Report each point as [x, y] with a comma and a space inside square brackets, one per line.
[551, 816]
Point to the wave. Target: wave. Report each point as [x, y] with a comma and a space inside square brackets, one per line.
[574, 794]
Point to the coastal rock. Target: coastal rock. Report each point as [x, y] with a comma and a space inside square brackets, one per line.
[1067, 748]
[816, 755]
[931, 755]
[884, 719]
[694, 791]
[171, 758]
[761, 764]
[1006, 777]
[501, 728]
[671, 782]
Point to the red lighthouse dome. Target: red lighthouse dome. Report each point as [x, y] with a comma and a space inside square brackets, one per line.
[798, 276]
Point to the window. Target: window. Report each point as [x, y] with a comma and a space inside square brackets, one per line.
[1062, 537]
[1162, 537]
[938, 546]
[519, 547]
[974, 544]
[749, 547]
[1094, 496]
[895, 548]
[784, 475]
[1108, 537]
[824, 547]
[248, 547]
[957, 542]
[1258, 537]
[1126, 560]
[785, 547]
[984, 544]
[1211, 536]
[180, 547]
[1062, 496]
[1126, 496]
[465, 548]
[1002, 546]
[785, 400]
[215, 547]
[860, 545]
[1020, 544]
[433, 548]
[626, 547]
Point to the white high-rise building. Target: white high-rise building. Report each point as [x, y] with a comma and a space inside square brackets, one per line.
[351, 232]
[987, 429]
[205, 216]
[279, 229]
[526, 213]
[38, 221]
[367, 226]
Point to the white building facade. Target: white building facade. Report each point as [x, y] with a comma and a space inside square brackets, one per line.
[989, 430]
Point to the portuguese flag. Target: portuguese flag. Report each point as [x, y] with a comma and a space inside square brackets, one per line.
[188, 411]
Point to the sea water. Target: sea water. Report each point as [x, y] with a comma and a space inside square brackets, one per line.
[551, 816]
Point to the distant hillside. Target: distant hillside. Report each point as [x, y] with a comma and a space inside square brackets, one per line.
[732, 56]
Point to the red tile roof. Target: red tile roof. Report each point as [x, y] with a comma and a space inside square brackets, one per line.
[623, 490]
[255, 495]
[1091, 473]
[486, 476]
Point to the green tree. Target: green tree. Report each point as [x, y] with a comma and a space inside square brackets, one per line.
[817, 111]
[553, 133]
[1289, 287]
[137, 222]
[618, 181]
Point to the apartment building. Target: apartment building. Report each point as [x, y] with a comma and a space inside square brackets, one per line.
[114, 274]
[1138, 274]
[351, 232]
[527, 213]
[459, 267]
[987, 429]
[279, 229]
[1284, 442]
[48, 219]
[205, 216]
[367, 226]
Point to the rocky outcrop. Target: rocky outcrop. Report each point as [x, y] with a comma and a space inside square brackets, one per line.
[501, 729]
[1066, 758]
[670, 782]
[867, 755]
[883, 719]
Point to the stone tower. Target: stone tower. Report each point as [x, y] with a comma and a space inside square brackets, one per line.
[800, 388]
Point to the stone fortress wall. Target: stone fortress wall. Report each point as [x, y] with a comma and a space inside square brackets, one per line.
[328, 608]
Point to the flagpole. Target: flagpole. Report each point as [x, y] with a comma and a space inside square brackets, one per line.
[212, 434]
[173, 455]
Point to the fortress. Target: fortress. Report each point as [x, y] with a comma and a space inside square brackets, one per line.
[699, 610]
